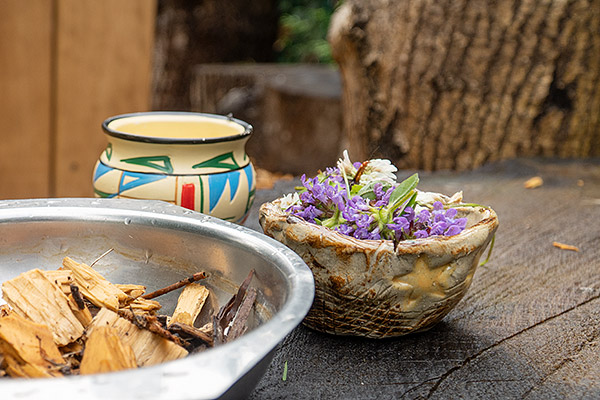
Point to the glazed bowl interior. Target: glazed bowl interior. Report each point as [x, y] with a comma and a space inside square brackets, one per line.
[156, 244]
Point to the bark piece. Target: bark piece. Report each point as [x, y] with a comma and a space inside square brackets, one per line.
[105, 352]
[190, 302]
[27, 293]
[94, 286]
[239, 325]
[149, 348]
[28, 348]
[224, 320]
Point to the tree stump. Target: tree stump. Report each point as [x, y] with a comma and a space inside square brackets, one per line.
[453, 84]
[294, 108]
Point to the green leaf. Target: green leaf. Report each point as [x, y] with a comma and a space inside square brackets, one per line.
[403, 191]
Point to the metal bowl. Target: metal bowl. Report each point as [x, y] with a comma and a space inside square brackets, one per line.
[156, 244]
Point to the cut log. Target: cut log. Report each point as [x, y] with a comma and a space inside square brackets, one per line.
[149, 348]
[454, 84]
[105, 352]
[190, 303]
[28, 291]
[28, 348]
[94, 286]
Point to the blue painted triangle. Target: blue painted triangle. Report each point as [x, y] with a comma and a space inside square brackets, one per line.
[248, 172]
[139, 180]
[101, 169]
[216, 185]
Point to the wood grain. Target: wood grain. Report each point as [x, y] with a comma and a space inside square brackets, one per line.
[25, 122]
[104, 53]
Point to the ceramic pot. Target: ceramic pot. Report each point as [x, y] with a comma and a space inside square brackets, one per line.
[197, 161]
[368, 287]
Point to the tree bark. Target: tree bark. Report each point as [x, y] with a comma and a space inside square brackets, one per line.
[192, 32]
[453, 84]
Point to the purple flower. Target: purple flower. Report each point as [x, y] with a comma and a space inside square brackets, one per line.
[420, 234]
[424, 216]
[325, 199]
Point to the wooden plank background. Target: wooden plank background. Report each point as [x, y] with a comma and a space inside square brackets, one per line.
[66, 66]
[25, 64]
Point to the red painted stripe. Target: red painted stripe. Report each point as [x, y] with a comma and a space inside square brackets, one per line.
[188, 196]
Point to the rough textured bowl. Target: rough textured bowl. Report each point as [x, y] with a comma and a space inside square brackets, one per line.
[156, 244]
[368, 288]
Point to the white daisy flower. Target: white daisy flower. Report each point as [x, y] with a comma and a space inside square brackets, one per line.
[379, 170]
[289, 200]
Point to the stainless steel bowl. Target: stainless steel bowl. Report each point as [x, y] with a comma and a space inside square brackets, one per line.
[156, 244]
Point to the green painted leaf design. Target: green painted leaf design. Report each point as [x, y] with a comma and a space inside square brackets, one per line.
[225, 161]
[108, 151]
[160, 163]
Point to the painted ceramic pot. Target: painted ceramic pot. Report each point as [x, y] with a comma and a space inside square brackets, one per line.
[368, 287]
[197, 161]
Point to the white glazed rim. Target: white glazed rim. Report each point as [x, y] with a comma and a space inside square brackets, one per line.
[111, 126]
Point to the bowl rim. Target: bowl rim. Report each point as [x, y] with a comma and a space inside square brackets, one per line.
[208, 374]
[480, 230]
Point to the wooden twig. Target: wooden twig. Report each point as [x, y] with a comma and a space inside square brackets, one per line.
[151, 323]
[191, 332]
[196, 277]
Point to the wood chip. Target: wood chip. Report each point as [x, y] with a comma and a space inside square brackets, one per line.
[190, 303]
[132, 290]
[534, 182]
[62, 277]
[149, 348]
[105, 352]
[28, 348]
[83, 315]
[564, 246]
[27, 291]
[94, 286]
[143, 305]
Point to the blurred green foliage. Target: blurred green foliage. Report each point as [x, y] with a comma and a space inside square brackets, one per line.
[303, 28]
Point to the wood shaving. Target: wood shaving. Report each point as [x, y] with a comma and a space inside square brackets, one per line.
[564, 246]
[534, 182]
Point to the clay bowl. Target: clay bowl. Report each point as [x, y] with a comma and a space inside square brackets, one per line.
[368, 288]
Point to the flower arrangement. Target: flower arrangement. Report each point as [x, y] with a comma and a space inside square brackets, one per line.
[365, 201]
[387, 258]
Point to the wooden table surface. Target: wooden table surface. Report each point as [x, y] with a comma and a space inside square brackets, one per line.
[529, 326]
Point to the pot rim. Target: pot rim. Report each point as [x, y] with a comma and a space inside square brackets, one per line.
[470, 238]
[247, 128]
